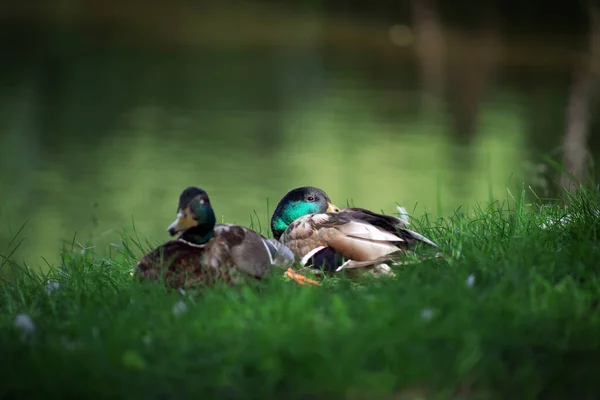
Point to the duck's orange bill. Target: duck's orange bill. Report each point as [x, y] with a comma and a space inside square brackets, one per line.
[301, 279]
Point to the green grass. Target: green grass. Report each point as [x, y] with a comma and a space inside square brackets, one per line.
[525, 328]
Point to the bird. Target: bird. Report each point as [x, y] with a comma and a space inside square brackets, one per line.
[324, 237]
[205, 252]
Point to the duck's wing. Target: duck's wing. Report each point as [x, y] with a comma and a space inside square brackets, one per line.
[280, 253]
[389, 223]
[328, 239]
[254, 254]
[249, 251]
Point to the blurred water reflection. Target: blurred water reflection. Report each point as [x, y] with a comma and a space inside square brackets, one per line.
[101, 127]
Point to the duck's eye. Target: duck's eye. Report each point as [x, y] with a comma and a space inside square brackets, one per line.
[310, 198]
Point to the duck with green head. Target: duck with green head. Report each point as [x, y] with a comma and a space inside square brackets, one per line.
[206, 252]
[326, 237]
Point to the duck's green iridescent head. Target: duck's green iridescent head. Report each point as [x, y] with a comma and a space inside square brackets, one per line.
[195, 216]
[298, 203]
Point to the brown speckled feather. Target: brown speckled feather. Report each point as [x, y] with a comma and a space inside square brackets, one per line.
[179, 264]
[359, 235]
[328, 230]
[234, 255]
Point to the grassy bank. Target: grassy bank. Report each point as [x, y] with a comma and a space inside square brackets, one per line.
[510, 315]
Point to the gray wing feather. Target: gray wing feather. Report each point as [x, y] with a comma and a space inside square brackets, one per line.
[280, 253]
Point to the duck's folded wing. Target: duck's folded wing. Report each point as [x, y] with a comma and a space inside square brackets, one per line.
[359, 241]
[249, 250]
[362, 230]
[281, 255]
[387, 222]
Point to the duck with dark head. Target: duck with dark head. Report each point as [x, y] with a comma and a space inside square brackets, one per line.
[323, 236]
[206, 252]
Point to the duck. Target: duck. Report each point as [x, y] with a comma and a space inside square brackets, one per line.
[206, 252]
[326, 238]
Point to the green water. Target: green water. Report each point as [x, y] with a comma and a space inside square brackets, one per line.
[97, 137]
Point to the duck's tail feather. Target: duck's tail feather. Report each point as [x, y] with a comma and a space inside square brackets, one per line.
[403, 215]
[417, 236]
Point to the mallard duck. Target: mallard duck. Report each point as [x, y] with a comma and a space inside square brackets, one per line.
[205, 252]
[324, 236]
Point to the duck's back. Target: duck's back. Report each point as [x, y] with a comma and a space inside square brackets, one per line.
[177, 262]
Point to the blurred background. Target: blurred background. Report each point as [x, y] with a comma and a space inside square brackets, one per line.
[108, 109]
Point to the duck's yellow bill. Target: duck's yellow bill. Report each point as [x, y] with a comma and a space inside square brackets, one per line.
[301, 279]
[332, 208]
[183, 222]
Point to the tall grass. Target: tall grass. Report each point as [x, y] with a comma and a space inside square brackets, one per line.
[510, 314]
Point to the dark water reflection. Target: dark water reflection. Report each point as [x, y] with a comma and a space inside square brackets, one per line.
[95, 137]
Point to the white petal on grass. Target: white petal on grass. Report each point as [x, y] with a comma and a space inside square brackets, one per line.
[427, 313]
[51, 286]
[470, 280]
[84, 249]
[564, 220]
[179, 308]
[561, 221]
[24, 323]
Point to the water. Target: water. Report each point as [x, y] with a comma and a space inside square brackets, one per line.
[102, 130]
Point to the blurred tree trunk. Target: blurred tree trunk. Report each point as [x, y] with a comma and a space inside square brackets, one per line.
[470, 71]
[430, 49]
[581, 99]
